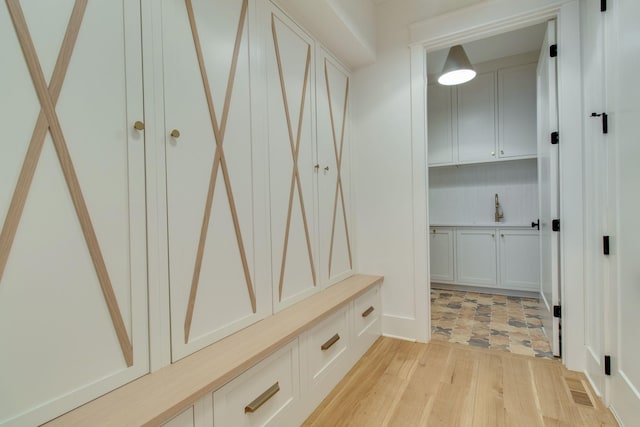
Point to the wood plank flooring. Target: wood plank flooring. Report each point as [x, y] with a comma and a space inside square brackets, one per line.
[400, 383]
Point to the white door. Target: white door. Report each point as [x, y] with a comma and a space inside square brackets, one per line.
[73, 300]
[334, 180]
[622, 140]
[596, 162]
[292, 155]
[548, 187]
[210, 172]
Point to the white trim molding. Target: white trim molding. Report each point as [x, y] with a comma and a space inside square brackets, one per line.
[481, 21]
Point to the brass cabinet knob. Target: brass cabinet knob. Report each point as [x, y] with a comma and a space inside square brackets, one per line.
[501, 151]
[326, 168]
[316, 167]
[175, 133]
[138, 125]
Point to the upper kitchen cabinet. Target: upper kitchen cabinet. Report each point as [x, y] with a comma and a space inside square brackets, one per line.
[73, 274]
[491, 118]
[477, 119]
[293, 167]
[517, 111]
[441, 123]
[334, 183]
[214, 170]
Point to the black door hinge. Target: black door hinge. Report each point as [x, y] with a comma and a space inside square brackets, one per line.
[605, 121]
[555, 225]
[605, 245]
[557, 311]
[607, 365]
[553, 50]
[555, 137]
[603, 5]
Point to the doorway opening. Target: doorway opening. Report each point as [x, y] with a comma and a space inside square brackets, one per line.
[493, 194]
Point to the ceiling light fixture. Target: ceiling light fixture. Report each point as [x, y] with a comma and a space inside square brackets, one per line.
[457, 69]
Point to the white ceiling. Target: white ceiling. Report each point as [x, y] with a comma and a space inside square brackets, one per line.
[512, 43]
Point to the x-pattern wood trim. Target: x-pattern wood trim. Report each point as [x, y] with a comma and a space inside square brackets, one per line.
[295, 151]
[338, 150]
[219, 161]
[48, 120]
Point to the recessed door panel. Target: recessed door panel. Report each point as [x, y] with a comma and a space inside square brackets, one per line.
[292, 156]
[209, 146]
[333, 83]
[73, 302]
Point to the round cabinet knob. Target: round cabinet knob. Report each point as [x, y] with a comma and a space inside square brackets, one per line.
[138, 125]
[493, 153]
[493, 235]
[316, 167]
[175, 133]
[501, 151]
[326, 168]
[502, 235]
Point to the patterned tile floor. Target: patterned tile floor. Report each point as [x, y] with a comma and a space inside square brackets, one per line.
[490, 321]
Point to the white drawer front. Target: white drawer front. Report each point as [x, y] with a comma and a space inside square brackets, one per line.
[262, 396]
[366, 313]
[326, 345]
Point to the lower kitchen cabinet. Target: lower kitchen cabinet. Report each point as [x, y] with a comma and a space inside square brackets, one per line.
[501, 258]
[441, 255]
[520, 259]
[476, 257]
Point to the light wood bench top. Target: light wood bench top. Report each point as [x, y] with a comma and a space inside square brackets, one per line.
[157, 397]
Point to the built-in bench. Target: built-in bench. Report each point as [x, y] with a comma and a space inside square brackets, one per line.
[159, 396]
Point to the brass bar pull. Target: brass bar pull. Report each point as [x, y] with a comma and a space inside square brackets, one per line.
[334, 339]
[367, 312]
[262, 399]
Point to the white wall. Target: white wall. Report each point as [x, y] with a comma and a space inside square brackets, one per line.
[465, 194]
[383, 152]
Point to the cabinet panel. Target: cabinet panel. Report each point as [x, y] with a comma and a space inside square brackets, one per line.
[200, 414]
[476, 119]
[73, 302]
[441, 254]
[476, 257]
[265, 395]
[292, 155]
[440, 117]
[333, 92]
[517, 111]
[210, 174]
[519, 259]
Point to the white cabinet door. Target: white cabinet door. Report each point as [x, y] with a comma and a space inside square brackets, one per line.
[73, 301]
[211, 172]
[441, 254]
[519, 260]
[476, 119]
[333, 97]
[292, 154]
[476, 257]
[517, 111]
[440, 118]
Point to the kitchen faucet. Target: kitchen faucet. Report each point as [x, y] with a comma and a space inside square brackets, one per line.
[498, 215]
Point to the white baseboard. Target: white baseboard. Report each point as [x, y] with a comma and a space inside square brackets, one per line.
[404, 328]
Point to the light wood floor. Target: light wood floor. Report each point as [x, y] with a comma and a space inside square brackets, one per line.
[400, 383]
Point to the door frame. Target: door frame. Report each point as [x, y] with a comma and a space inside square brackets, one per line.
[477, 22]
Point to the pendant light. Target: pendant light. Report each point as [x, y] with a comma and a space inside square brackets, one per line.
[457, 69]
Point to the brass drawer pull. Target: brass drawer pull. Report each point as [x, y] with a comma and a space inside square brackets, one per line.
[367, 312]
[262, 399]
[334, 339]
